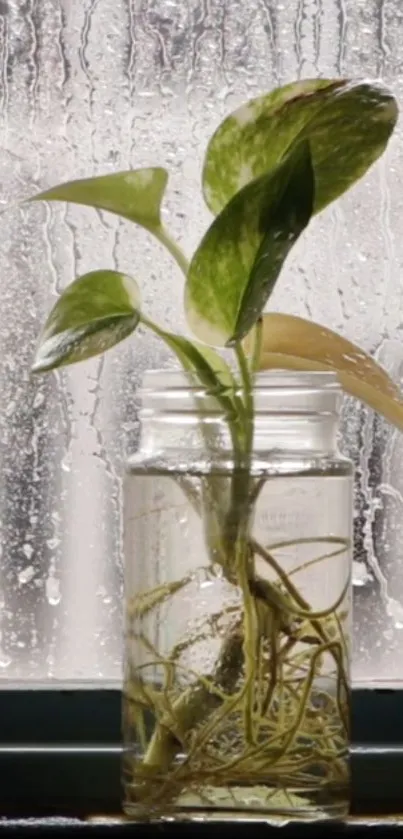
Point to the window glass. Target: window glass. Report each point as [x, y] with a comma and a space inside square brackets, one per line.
[93, 86]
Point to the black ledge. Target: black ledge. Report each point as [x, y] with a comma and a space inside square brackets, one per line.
[103, 828]
[60, 770]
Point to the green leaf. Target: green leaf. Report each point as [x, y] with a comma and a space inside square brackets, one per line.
[95, 312]
[240, 257]
[136, 194]
[348, 125]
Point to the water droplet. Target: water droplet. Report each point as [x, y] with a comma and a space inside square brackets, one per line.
[26, 575]
[27, 550]
[53, 594]
[66, 462]
[39, 400]
[53, 543]
[395, 611]
[10, 408]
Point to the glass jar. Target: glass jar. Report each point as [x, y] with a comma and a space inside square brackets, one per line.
[236, 687]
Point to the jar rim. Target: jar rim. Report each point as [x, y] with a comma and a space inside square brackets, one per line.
[173, 379]
[275, 392]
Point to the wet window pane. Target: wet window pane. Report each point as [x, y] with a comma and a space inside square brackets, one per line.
[92, 86]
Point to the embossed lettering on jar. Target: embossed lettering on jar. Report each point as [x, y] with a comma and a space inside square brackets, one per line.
[236, 694]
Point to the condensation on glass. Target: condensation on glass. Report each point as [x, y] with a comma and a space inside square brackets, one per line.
[92, 86]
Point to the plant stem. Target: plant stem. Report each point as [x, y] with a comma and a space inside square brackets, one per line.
[163, 236]
[256, 346]
[246, 380]
[250, 632]
[239, 518]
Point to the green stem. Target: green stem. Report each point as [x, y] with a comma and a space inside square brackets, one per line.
[238, 525]
[250, 632]
[254, 355]
[193, 362]
[247, 387]
[163, 236]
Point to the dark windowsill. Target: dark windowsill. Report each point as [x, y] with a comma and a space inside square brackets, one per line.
[352, 829]
[60, 759]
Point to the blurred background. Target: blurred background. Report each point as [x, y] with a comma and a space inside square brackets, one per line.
[93, 86]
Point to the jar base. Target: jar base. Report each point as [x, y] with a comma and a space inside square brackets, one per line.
[258, 804]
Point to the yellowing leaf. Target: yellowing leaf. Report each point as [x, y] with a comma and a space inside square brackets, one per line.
[293, 343]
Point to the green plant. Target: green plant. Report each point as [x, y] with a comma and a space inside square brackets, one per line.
[268, 169]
